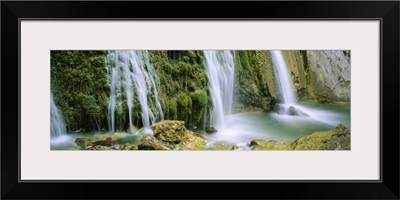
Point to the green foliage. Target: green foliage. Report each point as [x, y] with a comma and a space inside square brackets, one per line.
[244, 60]
[89, 105]
[80, 87]
[199, 100]
[184, 106]
[186, 75]
[185, 68]
[253, 80]
[186, 58]
[184, 101]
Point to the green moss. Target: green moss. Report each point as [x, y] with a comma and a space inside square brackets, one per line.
[80, 87]
[200, 100]
[186, 58]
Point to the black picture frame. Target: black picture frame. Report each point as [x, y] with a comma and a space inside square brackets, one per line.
[385, 11]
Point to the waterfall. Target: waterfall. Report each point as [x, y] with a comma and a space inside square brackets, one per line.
[57, 125]
[133, 75]
[283, 78]
[221, 74]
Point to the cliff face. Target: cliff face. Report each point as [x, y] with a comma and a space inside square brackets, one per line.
[254, 81]
[329, 75]
[320, 75]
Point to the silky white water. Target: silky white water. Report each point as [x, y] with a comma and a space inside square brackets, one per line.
[57, 125]
[221, 75]
[133, 75]
[283, 78]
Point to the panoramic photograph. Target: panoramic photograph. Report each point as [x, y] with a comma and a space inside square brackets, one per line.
[208, 100]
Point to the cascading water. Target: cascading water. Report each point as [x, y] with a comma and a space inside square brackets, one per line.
[289, 105]
[283, 78]
[57, 125]
[133, 74]
[221, 75]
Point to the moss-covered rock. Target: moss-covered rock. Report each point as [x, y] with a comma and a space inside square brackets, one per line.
[260, 144]
[254, 81]
[107, 142]
[129, 147]
[169, 130]
[83, 142]
[222, 146]
[334, 139]
[320, 75]
[114, 136]
[199, 102]
[149, 142]
[191, 142]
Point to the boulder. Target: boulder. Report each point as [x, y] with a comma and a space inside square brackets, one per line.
[297, 112]
[107, 142]
[210, 129]
[191, 142]
[334, 139]
[260, 144]
[280, 109]
[129, 147]
[114, 136]
[83, 142]
[149, 142]
[100, 148]
[169, 130]
[221, 146]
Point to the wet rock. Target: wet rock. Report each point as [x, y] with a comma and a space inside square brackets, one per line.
[192, 127]
[279, 109]
[334, 139]
[129, 147]
[210, 129]
[83, 142]
[169, 130]
[220, 146]
[149, 142]
[260, 144]
[114, 136]
[107, 142]
[132, 130]
[191, 142]
[100, 148]
[297, 112]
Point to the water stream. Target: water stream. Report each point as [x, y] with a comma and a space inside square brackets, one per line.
[133, 75]
[221, 75]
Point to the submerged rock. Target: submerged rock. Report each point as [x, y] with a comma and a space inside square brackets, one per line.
[83, 142]
[279, 109]
[132, 130]
[260, 144]
[210, 129]
[297, 112]
[114, 136]
[169, 130]
[149, 142]
[334, 139]
[191, 142]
